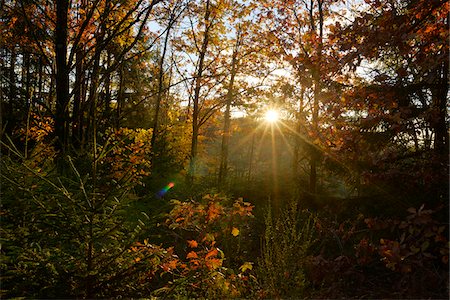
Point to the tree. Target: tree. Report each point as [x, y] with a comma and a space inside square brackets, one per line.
[62, 76]
[400, 103]
[175, 11]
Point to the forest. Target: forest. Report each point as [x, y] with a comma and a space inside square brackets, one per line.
[221, 149]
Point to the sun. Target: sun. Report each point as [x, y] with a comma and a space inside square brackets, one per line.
[272, 116]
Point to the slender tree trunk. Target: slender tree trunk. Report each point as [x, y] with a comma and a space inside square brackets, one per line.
[62, 77]
[9, 113]
[160, 92]
[196, 98]
[227, 121]
[12, 76]
[27, 73]
[120, 96]
[440, 105]
[298, 140]
[77, 113]
[317, 92]
[107, 100]
[40, 78]
[92, 100]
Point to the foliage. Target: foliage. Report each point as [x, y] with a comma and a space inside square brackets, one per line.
[201, 268]
[125, 156]
[418, 253]
[39, 151]
[63, 236]
[288, 239]
[408, 258]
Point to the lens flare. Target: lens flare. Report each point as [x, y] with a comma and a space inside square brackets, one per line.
[166, 189]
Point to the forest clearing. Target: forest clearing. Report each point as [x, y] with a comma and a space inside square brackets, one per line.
[222, 149]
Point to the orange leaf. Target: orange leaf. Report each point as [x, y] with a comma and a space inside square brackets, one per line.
[213, 252]
[173, 264]
[213, 263]
[192, 254]
[192, 244]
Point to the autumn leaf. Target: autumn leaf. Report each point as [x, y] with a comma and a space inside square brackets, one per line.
[173, 264]
[213, 212]
[192, 244]
[246, 266]
[213, 252]
[235, 231]
[192, 254]
[213, 263]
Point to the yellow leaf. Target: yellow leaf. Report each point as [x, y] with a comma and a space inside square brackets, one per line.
[235, 231]
[246, 266]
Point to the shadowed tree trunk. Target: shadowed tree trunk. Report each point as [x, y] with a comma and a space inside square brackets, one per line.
[62, 77]
[196, 98]
[223, 169]
[77, 113]
[160, 93]
[317, 89]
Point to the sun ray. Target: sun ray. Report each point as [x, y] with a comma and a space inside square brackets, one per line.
[289, 146]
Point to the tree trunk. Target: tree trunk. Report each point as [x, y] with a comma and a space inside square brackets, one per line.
[77, 113]
[92, 100]
[62, 77]
[107, 100]
[440, 106]
[227, 122]
[27, 73]
[317, 92]
[40, 78]
[9, 113]
[160, 92]
[195, 100]
[120, 96]
[298, 140]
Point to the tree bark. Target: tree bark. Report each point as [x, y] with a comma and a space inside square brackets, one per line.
[440, 106]
[298, 139]
[227, 121]
[77, 113]
[120, 96]
[160, 91]
[317, 92]
[62, 77]
[195, 100]
[27, 73]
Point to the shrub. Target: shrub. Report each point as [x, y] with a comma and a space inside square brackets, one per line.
[285, 252]
[63, 236]
[197, 264]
